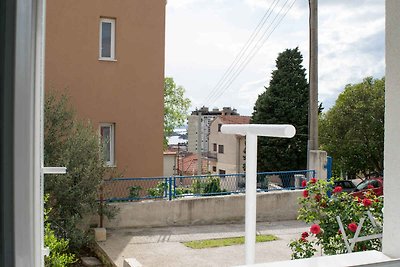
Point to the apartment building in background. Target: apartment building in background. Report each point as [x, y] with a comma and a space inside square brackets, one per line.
[204, 117]
[227, 149]
[108, 56]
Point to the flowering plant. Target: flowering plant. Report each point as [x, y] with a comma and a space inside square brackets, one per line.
[320, 210]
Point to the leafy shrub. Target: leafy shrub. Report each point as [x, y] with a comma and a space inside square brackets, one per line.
[157, 191]
[198, 186]
[59, 255]
[212, 185]
[317, 208]
[134, 191]
[183, 191]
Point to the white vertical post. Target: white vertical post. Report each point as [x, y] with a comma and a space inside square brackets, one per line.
[391, 213]
[251, 197]
[251, 131]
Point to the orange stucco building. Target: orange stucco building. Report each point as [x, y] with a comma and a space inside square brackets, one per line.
[109, 57]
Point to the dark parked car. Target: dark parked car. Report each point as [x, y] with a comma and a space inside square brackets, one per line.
[346, 185]
[376, 184]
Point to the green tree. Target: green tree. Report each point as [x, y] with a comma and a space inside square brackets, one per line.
[71, 143]
[285, 101]
[176, 107]
[352, 131]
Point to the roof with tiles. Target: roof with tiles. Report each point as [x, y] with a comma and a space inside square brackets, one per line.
[235, 119]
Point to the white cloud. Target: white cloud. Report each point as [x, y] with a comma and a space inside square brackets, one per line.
[204, 36]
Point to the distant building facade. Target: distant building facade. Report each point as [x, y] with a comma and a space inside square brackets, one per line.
[109, 57]
[227, 149]
[206, 117]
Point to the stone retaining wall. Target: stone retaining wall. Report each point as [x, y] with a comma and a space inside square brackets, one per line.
[271, 206]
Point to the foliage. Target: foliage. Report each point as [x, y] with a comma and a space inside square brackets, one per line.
[183, 191]
[134, 191]
[352, 131]
[176, 107]
[59, 255]
[198, 186]
[223, 242]
[158, 191]
[212, 185]
[75, 145]
[285, 101]
[316, 207]
[302, 248]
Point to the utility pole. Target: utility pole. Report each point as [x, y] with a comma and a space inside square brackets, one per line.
[313, 81]
[199, 162]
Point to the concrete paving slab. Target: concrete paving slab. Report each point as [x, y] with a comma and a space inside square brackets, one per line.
[162, 246]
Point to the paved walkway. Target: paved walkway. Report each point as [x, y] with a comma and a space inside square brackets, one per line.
[162, 246]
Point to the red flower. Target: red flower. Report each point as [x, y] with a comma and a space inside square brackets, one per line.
[304, 183]
[315, 229]
[305, 193]
[337, 189]
[317, 197]
[304, 235]
[370, 186]
[367, 202]
[313, 180]
[303, 239]
[339, 232]
[352, 227]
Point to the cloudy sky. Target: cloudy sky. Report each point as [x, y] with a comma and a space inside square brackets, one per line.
[203, 38]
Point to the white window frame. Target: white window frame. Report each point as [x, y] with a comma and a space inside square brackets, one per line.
[112, 45]
[111, 162]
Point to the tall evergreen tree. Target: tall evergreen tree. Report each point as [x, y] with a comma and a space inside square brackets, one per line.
[285, 101]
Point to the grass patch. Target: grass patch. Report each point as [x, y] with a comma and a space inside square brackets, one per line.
[223, 242]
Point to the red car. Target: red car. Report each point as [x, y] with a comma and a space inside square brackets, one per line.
[376, 184]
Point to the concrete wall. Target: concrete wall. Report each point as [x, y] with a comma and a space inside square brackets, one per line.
[169, 164]
[272, 206]
[318, 162]
[127, 91]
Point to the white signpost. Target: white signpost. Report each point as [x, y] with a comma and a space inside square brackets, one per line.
[251, 131]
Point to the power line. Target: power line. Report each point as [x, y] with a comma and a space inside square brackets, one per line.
[262, 40]
[251, 55]
[243, 50]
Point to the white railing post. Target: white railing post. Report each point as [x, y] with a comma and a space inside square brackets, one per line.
[251, 197]
[251, 131]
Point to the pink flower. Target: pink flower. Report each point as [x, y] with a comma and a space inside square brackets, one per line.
[337, 189]
[304, 235]
[305, 193]
[352, 227]
[313, 180]
[315, 229]
[304, 183]
[367, 202]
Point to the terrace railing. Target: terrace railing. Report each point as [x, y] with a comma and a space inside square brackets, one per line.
[168, 188]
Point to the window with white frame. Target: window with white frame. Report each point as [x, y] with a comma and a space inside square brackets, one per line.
[107, 139]
[107, 39]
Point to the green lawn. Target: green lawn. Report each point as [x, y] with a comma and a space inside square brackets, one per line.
[222, 242]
